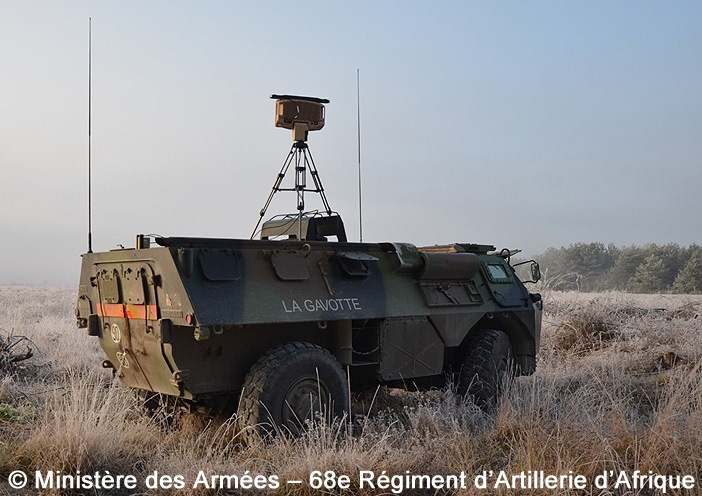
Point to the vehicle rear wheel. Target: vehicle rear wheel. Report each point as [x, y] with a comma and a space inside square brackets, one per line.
[485, 368]
[289, 386]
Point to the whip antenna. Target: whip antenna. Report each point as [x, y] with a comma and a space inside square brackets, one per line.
[358, 119]
[90, 107]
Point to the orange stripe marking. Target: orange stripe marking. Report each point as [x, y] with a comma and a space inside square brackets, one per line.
[142, 312]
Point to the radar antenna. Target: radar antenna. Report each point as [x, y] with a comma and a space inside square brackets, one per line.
[301, 114]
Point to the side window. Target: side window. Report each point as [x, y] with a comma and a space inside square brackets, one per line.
[497, 273]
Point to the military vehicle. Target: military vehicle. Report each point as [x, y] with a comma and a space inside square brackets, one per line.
[285, 326]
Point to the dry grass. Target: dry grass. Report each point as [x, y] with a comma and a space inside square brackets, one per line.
[618, 388]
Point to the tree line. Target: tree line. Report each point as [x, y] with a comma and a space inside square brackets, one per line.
[650, 268]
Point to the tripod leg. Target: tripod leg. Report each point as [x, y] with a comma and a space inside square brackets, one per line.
[276, 186]
[316, 179]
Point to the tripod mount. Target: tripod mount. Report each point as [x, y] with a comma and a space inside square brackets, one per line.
[300, 114]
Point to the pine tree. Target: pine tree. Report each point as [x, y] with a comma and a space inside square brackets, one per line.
[650, 275]
[689, 279]
[622, 274]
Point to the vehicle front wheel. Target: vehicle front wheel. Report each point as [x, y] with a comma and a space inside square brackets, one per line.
[289, 386]
[485, 367]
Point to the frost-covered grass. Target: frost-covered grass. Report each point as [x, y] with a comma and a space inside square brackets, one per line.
[618, 388]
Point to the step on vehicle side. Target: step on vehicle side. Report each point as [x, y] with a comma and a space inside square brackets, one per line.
[282, 328]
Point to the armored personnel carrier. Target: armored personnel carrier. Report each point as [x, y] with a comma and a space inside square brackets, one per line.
[285, 326]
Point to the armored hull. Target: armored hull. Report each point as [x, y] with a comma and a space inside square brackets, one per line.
[191, 317]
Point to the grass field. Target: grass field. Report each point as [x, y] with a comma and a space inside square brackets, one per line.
[618, 389]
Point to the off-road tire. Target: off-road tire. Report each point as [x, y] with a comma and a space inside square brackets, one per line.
[289, 386]
[485, 368]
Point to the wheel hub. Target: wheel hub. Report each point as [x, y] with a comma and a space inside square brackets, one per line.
[303, 400]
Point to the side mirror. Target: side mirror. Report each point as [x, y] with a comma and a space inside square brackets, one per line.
[533, 268]
[535, 271]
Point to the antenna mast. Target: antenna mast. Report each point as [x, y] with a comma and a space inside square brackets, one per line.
[358, 118]
[90, 107]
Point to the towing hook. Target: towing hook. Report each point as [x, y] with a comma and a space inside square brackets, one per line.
[106, 364]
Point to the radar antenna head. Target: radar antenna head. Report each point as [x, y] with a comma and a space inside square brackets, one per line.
[302, 114]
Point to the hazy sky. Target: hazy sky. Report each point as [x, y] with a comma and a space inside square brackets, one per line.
[518, 124]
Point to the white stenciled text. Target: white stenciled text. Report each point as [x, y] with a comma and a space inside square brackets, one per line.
[322, 305]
